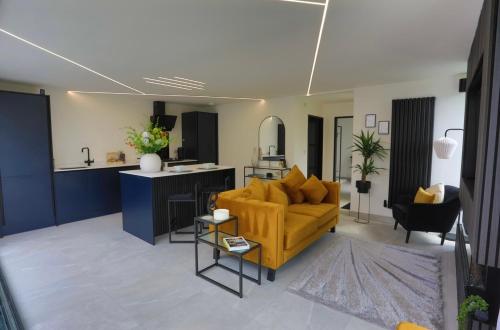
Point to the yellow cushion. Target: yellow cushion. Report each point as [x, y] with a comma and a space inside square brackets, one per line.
[298, 227]
[256, 190]
[322, 212]
[314, 190]
[275, 195]
[409, 326]
[292, 183]
[423, 197]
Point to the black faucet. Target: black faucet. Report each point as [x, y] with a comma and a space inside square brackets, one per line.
[88, 161]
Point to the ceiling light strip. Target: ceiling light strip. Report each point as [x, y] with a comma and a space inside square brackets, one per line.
[323, 19]
[68, 60]
[175, 84]
[306, 2]
[182, 82]
[164, 84]
[172, 95]
[195, 81]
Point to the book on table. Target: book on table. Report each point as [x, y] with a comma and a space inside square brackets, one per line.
[236, 243]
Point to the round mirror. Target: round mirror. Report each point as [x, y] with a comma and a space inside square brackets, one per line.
[272, 139]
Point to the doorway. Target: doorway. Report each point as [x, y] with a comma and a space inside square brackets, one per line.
[315, 146]
[342, 158]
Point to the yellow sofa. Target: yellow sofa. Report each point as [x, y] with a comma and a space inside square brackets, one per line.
[282, 234]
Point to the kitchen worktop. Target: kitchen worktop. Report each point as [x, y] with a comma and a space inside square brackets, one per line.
[96, 166]
[191, 169]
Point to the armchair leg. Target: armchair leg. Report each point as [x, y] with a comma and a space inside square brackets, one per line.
[443, 236]
[395, 225]
[408, 233]
[271, 274]
[332, 230]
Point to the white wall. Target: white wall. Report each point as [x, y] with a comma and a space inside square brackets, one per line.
[239, 125]
[449, 112]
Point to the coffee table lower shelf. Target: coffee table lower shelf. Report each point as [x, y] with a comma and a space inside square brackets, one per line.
[209, 239]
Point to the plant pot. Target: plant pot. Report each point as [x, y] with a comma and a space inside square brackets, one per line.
[150, 163]
[363, 186]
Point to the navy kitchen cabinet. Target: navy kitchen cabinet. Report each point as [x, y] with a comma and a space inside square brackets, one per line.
[89, 193]
[26, 169]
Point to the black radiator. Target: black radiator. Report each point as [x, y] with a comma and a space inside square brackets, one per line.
[411, 146]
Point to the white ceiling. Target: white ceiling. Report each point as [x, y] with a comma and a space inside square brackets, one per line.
[240, 48]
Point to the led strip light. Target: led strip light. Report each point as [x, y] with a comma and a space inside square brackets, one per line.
[173, 84]
[69, 61]
[182, 82]
[172, 95]
[305, 2]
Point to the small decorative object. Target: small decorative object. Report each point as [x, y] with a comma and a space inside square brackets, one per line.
[369, 148]
[269, 175]
[212, 202]
[147, 143]
[235, 243]
[371, 120]
[117, 157]
[383, 127]
[470, 306]
[221, 214]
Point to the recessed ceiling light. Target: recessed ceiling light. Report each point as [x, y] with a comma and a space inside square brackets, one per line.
[173, 95]
[323, 19]
[174, 84]
[164, 84]
[68, 60]
[182, 82]
[195, 81]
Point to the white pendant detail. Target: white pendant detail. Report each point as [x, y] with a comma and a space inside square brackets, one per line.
[150, 163]
[445, 147]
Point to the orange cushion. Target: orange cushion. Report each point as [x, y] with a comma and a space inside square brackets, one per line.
[314, 190]
[322, 212]
[423, 197]
[292, 183]
[298, 227]
[256, 190]
[275, 195]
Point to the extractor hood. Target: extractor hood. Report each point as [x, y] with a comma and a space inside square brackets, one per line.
[159, 116]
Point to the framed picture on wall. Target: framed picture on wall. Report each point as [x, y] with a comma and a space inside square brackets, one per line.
[383, 127]
[371, 120]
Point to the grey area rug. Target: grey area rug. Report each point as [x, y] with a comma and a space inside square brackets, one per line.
[383, 284]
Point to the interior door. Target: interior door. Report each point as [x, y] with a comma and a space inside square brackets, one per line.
[25, 162]
[315, 146]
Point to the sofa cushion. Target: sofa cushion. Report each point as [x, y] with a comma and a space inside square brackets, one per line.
[298, 227]
[292, 183]
[256, 190]
[438, 191]
[314, 190]
[274, 195]
[423, 197]
[323, 212]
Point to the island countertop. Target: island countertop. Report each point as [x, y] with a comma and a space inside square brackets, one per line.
[190, 169]
[103, 165]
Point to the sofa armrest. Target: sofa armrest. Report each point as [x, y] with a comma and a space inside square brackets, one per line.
[259, 221]
[333, 196]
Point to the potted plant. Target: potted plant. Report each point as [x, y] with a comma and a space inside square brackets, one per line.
[472, 305]
[369, 148]
[147, 143]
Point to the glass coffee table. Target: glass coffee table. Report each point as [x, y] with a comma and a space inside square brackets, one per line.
[214, 239]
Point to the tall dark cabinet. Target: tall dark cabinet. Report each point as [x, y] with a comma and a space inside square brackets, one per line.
[26, 169]
[479, 271]
[200, 137]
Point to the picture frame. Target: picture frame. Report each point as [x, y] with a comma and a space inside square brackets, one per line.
[384, 127]
[370, 120]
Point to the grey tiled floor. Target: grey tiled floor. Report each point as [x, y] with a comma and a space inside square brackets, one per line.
[92, 275]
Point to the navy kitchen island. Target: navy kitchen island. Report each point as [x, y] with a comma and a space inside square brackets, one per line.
[144, 197]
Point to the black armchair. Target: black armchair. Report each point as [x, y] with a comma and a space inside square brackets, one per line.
[438, 218]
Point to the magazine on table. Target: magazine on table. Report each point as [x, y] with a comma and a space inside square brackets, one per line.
[236, 243]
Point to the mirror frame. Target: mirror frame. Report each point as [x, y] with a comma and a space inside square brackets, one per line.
[258, 141]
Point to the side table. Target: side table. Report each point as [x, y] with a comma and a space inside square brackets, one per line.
[215, 239]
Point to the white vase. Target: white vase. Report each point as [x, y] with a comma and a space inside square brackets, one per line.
[150, 163]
